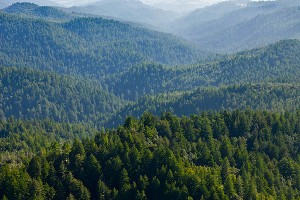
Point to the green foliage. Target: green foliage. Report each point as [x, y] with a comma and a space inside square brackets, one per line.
[274, 64]
[279, 97]
[233, 154]
[252, 162]
[87, 46]
[264, 78]
[32, 94]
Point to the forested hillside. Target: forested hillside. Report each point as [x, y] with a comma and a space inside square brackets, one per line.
[124, 58]
[257, 32]
[233, 26]
[32, 94]
[273, 72]
[227, 155]
[278, 62]
[86, 46]
[276, 97]
[94, 108]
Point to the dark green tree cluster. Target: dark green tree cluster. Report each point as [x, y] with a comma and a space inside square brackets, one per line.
[20, 140]
[277, 97]
[32, 94]
[228, 155]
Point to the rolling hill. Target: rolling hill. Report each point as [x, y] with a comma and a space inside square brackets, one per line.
[128, 10]
[278, 62]
[196, 18]
[259, 31]
[264, 78]
[275, 97]
[72, 86]
[87, 46]
[136, 64]
[233, 29]
[33, 94]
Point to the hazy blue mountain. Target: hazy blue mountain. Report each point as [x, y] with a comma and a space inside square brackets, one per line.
[128, 10]
[221, 15]
[252, 25]
[193, 19]
[256, 32]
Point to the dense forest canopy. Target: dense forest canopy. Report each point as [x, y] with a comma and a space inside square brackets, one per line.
[95, 108]
[226, 155]
[264, 78]
[276, 63]
[276, 97]
[32, 94]
[86, 46]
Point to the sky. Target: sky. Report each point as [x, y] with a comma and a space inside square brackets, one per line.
[176, 5]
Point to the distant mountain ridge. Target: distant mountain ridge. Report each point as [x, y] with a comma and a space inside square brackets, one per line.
[231, 27]
[128, 10]
[225, 27]
[259, 31]
[201, 15]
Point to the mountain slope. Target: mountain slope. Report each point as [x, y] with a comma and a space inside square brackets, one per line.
[253, 25]
[274, 68]
[32, 94]
[259, 31]
[278, 62]
[199, 16]
[274, 63]
[276, 97]
[263, 78]
[128, 10]
[87, 46]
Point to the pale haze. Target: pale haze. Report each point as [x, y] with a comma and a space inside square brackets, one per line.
[175, 5]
